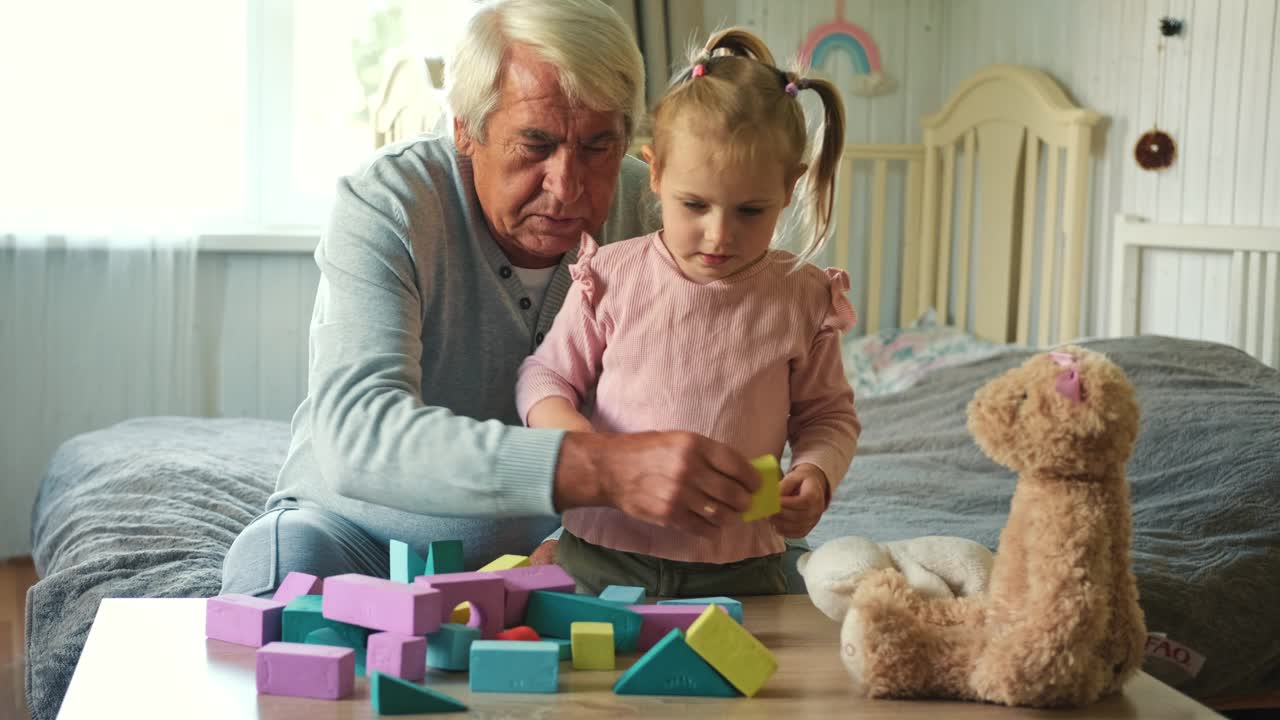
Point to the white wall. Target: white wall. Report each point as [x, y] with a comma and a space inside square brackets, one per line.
[1221, 103]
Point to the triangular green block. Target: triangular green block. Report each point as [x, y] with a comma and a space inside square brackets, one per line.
[554, 613]
[392, 696]
[330, 636]
[405, 563]
[444, 556]
[672, 668]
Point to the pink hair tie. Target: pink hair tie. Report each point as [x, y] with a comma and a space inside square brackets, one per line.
[699, 70]
[791, 89]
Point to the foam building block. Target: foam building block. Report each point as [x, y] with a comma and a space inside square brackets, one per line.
[449, 648]
[592, 644]
[523, 580]
[391, 695]
[405, 563]
[329, 636]
[735, 653]
[461, 614]
[297, 584]
[444, 556]
[623, 595]
[553, 613]
[243, 619]
[511, 666]
[521, 632]
[731, 606]
[486, 593]
[506, 562]
[303, 616]
[380, 604]
[404, 656]
[659, 620]
[566, 646]
[671, 667]
[768, 499]
[314, 671]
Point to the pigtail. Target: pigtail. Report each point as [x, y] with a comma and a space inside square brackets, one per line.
[819, 183]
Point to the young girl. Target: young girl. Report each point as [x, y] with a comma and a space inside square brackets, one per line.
[703, 327]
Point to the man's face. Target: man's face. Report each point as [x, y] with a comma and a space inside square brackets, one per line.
[548, 169]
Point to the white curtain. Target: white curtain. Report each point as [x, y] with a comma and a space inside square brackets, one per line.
[92, 331]
[664, 30]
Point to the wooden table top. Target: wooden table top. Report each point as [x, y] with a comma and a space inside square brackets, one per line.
[149, 658]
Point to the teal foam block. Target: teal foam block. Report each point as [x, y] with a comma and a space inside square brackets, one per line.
[623, 595]
[731, 606]
[671, 667]
[444, 556]
[515, 666]
[449, 648]
[302, 617]
[405, 563]
[392, 696]
[552, 613]
[566, 646]
[330, 636]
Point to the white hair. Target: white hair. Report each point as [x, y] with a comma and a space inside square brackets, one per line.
[594, 51]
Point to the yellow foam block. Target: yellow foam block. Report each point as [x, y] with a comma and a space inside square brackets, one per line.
[768, 499]
[592, 644]
[735, 653]
[462, 614]
[506, 562]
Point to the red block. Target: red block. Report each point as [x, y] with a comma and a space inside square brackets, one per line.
[523, 632]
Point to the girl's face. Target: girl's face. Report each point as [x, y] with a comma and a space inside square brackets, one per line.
[718, 214]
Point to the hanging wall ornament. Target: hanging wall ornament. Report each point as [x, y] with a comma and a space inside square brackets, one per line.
[840, 34]
[1156, 150]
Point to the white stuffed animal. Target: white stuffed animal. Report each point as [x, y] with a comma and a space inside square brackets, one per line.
[935, 566]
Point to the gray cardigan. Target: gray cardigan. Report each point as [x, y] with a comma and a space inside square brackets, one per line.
[418, 329]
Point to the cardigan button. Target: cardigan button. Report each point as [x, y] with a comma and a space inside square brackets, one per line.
[537, 339]
[504, 271]
[525, 303]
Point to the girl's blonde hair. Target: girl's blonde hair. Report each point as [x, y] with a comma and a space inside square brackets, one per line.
[733, 90]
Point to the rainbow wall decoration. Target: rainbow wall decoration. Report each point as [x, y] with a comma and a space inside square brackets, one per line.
[840, 34]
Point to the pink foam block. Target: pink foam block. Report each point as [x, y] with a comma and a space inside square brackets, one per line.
[658, 620]
[243, 619]
[404, 656]
[524, 580]
[314, 671]
[297, 584]
[486, 592]
[382, 604]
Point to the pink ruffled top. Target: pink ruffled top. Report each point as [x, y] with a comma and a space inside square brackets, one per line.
[752, 360]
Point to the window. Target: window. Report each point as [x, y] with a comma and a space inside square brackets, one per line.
[201, 114]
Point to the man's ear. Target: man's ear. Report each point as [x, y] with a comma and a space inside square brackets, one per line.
[792, 178]
[646, 152]
[461, 138]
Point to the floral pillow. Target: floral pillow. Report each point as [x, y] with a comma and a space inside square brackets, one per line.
[894, 359]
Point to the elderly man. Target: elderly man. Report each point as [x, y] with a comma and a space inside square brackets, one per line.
[444, 263]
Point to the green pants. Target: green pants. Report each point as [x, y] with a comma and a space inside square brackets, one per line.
[595, 568]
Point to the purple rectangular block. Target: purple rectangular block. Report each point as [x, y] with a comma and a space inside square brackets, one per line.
[524, 580]
[486, 592]
[242, 619]
[658, 620]
[404, 656]
[300, 670]
[382, 604]
[296, 584]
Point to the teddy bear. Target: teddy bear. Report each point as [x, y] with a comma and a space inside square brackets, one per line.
[1060, 624]
[934, 566]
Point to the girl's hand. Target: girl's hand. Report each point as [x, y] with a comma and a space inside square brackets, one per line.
[545, 554]
[804, 498]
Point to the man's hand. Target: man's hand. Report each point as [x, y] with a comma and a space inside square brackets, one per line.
[545, 554]
[671, 479]
[804, 498]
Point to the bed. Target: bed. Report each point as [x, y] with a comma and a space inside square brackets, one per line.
[967, 252]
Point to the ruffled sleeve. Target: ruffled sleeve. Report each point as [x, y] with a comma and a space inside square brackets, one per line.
[584, 278]
[840, 313]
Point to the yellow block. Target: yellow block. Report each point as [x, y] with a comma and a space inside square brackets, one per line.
[506, 562]
[768, 499]
[592, 645]
[735, 653]
[461, 614]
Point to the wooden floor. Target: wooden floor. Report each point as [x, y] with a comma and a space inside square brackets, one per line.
[16, 575]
